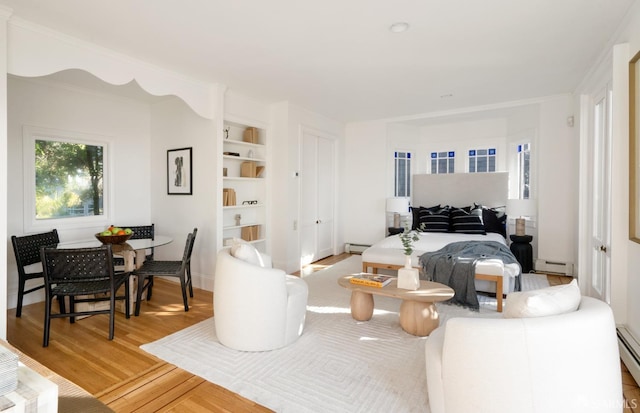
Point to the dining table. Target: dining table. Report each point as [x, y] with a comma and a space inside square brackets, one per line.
[132, 251]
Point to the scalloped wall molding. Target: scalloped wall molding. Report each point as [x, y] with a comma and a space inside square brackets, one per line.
[35, 50]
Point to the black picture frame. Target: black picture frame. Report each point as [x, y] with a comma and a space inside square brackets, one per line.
[179, 171]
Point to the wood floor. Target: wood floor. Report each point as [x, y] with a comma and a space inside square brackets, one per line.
[127, 379]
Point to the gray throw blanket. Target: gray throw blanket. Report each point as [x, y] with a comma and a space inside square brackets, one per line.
[454, 265]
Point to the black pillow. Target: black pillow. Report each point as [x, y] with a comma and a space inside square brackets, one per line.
[434, 221]
[466, 222]
[495, 220]
[416, 211]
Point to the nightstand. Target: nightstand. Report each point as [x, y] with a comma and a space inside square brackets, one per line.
[521, 248]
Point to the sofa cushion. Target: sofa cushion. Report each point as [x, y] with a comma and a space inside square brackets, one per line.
[244, 251]
[554, 300]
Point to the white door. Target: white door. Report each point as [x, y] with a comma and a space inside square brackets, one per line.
[316, 198]
[601, 196]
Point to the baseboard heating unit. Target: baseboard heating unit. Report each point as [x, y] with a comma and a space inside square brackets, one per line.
[355, 248]
[564, 268]
[629, 351]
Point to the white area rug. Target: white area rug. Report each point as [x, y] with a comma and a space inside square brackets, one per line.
[337, 365]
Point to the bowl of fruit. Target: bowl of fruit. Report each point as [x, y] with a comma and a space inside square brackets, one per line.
[114, 235]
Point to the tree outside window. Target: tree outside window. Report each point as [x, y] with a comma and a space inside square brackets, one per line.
[69, 179]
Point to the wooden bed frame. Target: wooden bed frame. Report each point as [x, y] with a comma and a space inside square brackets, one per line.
[490, 189]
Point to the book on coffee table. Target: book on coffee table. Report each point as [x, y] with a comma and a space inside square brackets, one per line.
[371, 280]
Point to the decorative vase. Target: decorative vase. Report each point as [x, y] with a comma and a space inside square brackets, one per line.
[408, 277]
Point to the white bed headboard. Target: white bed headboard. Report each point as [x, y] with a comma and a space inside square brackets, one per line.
[460, 190]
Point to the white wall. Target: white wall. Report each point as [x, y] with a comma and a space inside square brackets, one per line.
[174, 125]
[288, 121]
[123, 123]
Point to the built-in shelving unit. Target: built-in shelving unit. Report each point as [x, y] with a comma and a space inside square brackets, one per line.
[244, 198]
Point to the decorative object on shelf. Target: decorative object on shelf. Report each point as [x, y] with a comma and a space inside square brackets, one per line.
[398, 206]
[250, 169]
[238, 217]
[253, 202]
[226, 132]
[228, 197]
[179, 172]
[250, 135]
[250, 232]
[224, 171]
[231, 153]
[250, 154]
[408, 277]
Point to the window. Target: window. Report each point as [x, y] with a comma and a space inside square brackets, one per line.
[524, 170]
[482, 160]
[443, 162]
[402, 174]
[65, 179]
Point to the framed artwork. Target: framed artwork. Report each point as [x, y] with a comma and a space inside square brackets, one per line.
[179, 172]
[634, 148]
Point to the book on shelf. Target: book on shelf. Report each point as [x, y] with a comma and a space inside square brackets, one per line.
[371, 280]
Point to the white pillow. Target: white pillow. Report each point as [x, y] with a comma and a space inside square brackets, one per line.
[244, 251]
[548, 301]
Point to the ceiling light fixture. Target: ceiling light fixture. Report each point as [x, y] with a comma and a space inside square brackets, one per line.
[399, 27]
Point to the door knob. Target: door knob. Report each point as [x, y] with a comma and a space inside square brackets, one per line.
[603, 248]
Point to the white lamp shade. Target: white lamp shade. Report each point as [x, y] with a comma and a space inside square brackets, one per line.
[398, 205]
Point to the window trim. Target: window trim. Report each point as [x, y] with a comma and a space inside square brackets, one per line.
[29, 136]
[409, 169]
[473, 154]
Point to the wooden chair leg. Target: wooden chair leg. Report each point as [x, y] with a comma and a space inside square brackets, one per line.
[141, 279]
[184, 293]
[20, 297]
[47, 322]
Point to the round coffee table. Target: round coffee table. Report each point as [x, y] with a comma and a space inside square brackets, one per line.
[418, 314]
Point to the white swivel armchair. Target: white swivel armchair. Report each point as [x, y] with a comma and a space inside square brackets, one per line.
[256, 308]
[561, 363]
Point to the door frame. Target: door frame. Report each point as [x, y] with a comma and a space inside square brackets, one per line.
[302, 129]
[585, 241]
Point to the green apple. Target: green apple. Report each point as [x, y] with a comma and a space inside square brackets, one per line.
[105, 233]
[128, 231]
[115, 230]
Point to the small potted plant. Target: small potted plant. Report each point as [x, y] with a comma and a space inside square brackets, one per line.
[408, 277]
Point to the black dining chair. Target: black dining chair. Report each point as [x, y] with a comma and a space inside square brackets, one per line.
[180, 269]
[139, 232]
[84, 275]
[27, 252]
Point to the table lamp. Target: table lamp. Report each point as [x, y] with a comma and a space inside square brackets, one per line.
[397, 206]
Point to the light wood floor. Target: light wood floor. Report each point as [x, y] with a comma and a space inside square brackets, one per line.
[128, 379]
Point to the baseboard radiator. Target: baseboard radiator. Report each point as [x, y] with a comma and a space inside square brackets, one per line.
[554, 267]
[629, 351]
[355, 248]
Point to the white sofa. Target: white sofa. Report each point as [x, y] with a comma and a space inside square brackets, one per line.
[256, 308]
[560, 363]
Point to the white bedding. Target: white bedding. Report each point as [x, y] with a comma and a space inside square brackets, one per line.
[390, 251]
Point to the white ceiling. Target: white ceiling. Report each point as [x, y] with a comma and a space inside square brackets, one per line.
[338, 58]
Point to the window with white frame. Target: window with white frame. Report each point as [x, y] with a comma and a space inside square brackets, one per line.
[524, 170]
[443, 162]
[65, 179]
[482, 160]
[402, 174]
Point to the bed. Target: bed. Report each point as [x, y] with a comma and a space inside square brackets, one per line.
[487, 191]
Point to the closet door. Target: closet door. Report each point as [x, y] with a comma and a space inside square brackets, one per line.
[316, 198]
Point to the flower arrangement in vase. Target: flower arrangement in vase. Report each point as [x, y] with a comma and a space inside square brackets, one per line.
[408, 277]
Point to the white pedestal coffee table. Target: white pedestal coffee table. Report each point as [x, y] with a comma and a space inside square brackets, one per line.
[418, 314]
